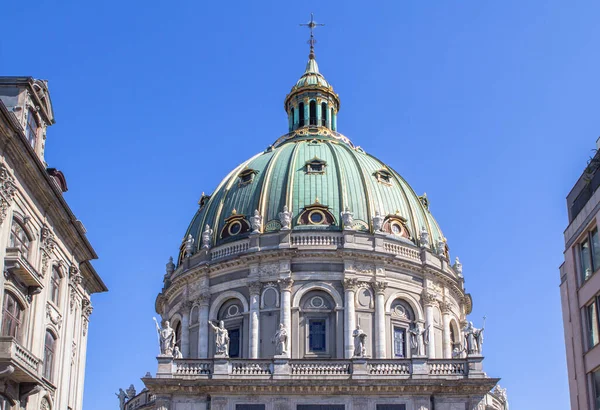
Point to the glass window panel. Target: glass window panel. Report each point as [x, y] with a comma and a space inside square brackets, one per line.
[316, 342]
[595, 250]
[234, 343]
[320, 407]
[586, 266]
[596, 382]
[391, 407]
[592, 317]
[249, 407]
[399, 342]
[49, 356]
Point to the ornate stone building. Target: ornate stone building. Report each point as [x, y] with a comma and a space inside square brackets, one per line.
[47, 276]
[314, 277]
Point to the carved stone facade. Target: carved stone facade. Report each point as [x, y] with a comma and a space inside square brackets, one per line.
[351, 269]
[48, 277]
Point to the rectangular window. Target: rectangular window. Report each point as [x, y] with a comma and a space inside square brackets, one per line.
[399, 342]
[391, 407]
[320, 407]
[589, 254]
[234, 342]
[249, 407]
[586, 263]
[595, 241]
[596, 383]
[316, 335]
[592, 322]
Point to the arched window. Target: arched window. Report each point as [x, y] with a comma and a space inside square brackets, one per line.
[301, 115]
[49, 345]
[32, 128]
[402, 316]
[323, 114]
[178, 335]
[292, 117]
[318, 333]
[54, 289]
[12, 315]
[231, 313]
[313, 112]
[19, 238]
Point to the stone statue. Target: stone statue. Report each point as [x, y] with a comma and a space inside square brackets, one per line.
[256, 222]
[360, 338]
[285, 218]
[280, 339]
[441, 247]
[221, 339]
[347, 219]
[424, 238]
[166, 336]
[419, 339]
[189, 246]
[473, 338]
[458, 267]
[122, 396]
[170, 266]
[206, 237]
[377, 222]
[131, 392]
[177, 353]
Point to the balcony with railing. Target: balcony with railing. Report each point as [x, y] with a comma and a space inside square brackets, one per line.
[27, 367]
[16, 262]
[329, 369]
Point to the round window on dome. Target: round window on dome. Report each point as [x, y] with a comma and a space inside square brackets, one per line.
[396, 228]
[235, 228]
[316, 217]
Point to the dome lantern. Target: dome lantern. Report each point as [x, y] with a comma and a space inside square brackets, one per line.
[312, 101]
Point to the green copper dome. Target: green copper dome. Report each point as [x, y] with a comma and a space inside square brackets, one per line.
[317, 174]
[312, 169]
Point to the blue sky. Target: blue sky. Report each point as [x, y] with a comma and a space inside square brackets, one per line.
[489, 107]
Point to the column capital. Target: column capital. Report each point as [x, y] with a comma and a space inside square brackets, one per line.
[285, 284]
[203, 299]
[254, 287]
[187, 305]
[429, 298]
[350, 284]
[445, 307]
[380, 286]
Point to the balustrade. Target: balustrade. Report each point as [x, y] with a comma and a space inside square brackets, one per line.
[193, 367]
[447, 367]
[251, 367]
[389, 367]
[324, 367]
[317, 239]
[224, 251]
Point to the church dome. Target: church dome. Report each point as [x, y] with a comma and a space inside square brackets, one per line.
[317, 174]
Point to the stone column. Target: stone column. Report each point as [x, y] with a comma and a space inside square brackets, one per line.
[446, 341]
[285, 286]
[203, 302]
[349, 316]
[307, 112]
[185, 329]
[254, 288]
[430, 300]
[319, 113]
[380, 334]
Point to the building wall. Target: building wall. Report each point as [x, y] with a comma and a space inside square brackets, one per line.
[29, 197]
[576, 294]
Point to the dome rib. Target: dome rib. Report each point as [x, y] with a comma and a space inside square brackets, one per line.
[340, 179]
[266, 187]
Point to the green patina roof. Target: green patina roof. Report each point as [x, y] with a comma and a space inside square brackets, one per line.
[311, 77]
[281, 179]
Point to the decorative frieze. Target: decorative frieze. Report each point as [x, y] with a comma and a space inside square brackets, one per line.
[7, 191]
[269, 269]
[47, 245]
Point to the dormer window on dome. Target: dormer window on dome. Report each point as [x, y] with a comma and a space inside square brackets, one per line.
[316, 214]
[235, 225]
[383, 176]
[396, 225]
[247, 176]
[315, 166]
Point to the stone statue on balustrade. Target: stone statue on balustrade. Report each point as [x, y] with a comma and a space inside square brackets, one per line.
[166, 338]
[473, 339]
[377, 222]
[360, 340]
[347, 219]
[424, 237]
[281, 340]
[285, 218]
[177, 353]
[122, 397]
[221, 339]
[419, 339]
[256, 222]
[206, 237]
[189, 246]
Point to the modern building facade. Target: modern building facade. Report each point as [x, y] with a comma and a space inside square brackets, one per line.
[315, 277]
[45, 257]
[580, 288]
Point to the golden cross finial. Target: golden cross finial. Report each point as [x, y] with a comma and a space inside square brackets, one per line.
[312, 24]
